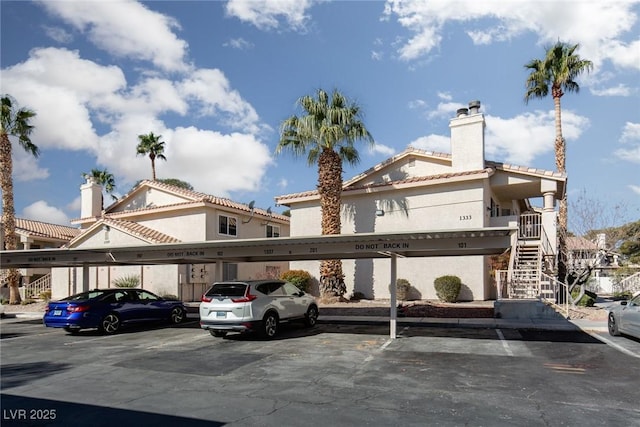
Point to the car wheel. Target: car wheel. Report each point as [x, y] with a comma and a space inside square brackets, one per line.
[270, 325]
[218, 334]
[177, 315]
[613, 326]
[311, 317]
[72, 331]
[110, 324]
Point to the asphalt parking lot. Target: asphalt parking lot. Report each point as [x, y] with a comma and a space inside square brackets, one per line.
[336, 374]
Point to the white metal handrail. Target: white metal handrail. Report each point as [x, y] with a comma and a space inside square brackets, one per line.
[557, 288]
[38, 286]
[631, 283]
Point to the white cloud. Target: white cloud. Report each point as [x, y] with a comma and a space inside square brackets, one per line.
[518, 140]
[382, 149]
[597, 26]
[211, 89]
[60, 83]
[25, 166]
[619, 90]
[283, 183]
[266, 14]
[58, 34]
[437, 143]
[631, 132]
[635, 188]
[376, 55]
[522, 138]
[631, 140]
[125, 29]
[41, 211]
[445, 110]
[239, 43]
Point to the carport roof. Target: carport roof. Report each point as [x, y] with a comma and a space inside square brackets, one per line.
[481, 241]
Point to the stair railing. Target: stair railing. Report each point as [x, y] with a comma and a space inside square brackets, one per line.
[38, 286]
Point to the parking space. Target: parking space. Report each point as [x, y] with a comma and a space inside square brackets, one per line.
[334, 374]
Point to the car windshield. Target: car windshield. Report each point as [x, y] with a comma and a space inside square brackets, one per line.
[84, 296]
[227, 290]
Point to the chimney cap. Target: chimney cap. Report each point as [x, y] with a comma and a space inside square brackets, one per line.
[474, 106]
[462, 112]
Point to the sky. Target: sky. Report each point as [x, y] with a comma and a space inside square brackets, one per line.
[217, 78]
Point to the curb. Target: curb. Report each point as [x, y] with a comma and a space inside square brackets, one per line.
[476, 323]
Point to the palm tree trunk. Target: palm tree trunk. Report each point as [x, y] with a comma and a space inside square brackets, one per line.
[560, 152]
[8, 213]
[153, 167]
[330, 188]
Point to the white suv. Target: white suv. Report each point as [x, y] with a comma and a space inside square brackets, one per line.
[254, 305]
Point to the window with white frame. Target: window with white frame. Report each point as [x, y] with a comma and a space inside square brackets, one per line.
[227, 225]
[273, 231]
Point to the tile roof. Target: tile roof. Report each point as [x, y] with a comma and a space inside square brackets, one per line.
[491, 166]
[45, 230]
[414, 179]
[193, 196]
[135, 229]
[575, 243]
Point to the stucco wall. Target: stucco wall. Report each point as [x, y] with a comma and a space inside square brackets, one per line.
[373, 276]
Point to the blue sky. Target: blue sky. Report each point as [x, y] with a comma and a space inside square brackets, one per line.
[216, 79]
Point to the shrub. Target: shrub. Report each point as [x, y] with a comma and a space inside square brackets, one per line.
[447, 288]
[587, 300]
[402, 289]
[46, 295]
[131, 281]
[300, 278]
[357, 296]
[170, 297]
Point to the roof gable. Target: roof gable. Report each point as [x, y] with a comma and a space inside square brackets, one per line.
[152, 196]
[134, 230]
[420, 167]
[411, 163]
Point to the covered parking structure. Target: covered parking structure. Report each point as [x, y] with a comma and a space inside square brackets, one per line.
[483, 241]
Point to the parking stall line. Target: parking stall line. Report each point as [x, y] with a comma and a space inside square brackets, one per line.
[505, 343]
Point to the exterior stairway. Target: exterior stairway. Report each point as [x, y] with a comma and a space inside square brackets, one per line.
[527, 268]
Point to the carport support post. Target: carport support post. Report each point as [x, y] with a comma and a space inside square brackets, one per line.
[393, 308]
[85, 277]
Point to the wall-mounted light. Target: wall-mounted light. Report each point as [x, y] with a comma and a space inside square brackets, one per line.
[379, 212]
[106, 228]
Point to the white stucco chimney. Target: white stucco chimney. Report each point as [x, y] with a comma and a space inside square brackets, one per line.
[467, 139]
[90, 199]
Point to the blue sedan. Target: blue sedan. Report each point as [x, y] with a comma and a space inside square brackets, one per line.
[109, 309]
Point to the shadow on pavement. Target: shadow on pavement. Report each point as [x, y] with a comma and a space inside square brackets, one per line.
[17, 374]
[27, 411]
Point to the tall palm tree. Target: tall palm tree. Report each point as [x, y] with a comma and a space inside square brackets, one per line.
[557, 73]
[104, 178]
[150, 144]
[15, 122]
[326, 134]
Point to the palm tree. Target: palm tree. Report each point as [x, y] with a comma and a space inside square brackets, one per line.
[326, 134]
[150, 144]
[15, 122]
[557, 72]
[104, 178]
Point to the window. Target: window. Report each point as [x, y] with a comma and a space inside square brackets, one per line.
[273, 231]
[227, 225]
